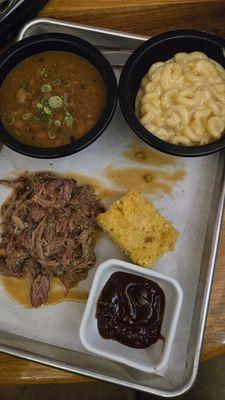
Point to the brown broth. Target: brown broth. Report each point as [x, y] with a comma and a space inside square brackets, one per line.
[19, 291]
[28, 111]
[143, 179]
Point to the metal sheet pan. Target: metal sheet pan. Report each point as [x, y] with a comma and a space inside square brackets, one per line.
[117, 46]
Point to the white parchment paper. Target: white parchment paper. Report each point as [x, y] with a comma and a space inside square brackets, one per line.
[188, 209]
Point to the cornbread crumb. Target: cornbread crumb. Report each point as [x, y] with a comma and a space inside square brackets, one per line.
[138, 229]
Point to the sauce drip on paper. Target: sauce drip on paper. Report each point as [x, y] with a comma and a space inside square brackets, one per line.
[18, 291]
[158, 175]
[104, 192]
[144, 179]
[139, 153]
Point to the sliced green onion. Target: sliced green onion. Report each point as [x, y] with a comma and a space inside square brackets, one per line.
[46, 88]
[55, 102]
[57, 82]
[66, 83]
[27, 116]
[65, 99]
[68, 120]
[40, 106]
[49, 122]
[8, 120]
[35, 120]
[25, 85]
[44, 118]
[44, 101]
[47, 110]
[51, 135]
[58, 123]
[43, 72]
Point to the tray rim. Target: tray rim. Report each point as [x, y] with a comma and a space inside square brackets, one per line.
[215, 234]
[84, 27]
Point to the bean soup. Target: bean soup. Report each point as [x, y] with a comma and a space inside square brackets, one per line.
[52, 99]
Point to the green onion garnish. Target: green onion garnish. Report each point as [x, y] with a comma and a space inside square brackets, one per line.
[35, 120]
[58, 123]
[68, 120]
[51, 135]
[25, 85]
[47, 110]
[66, 83]
[55, 102]
[57, 82]
[65, 99]
[49, 122]
[40, 106]
[8, 120]
[44, 101]
[27, 116]
[43, 72]
[46, 88]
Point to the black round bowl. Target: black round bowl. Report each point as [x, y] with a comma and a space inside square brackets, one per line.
[162, 48]
[59, 42]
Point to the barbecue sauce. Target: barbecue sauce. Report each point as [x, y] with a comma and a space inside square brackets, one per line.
[130, 310]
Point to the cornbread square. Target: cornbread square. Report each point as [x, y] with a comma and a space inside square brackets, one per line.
[138, 229]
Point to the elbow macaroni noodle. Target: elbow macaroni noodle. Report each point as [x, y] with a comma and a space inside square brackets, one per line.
[182, 100]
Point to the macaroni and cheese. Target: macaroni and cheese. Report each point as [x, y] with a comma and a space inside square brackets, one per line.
[182, 100]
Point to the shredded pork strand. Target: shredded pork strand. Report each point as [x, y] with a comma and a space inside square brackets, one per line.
[48, 227]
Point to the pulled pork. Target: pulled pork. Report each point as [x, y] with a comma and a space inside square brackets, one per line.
[48, 227]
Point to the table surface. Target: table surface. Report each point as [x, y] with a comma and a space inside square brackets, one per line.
[147, 17]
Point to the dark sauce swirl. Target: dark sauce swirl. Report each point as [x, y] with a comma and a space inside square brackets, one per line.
[130, 310]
